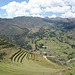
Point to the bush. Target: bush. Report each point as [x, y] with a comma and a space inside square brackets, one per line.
[28, 47]
[41, 45]
[8, 45]
[3, 42]
[2, 54]
[71, 55]
[65, 64]
[53, 59]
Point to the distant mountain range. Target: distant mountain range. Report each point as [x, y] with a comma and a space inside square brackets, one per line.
[18, 29]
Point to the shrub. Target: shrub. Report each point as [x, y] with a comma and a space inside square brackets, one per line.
[2, 54]
[8, 45]
[28, 47]
[53, 59]
[3, 42]
[65, 64]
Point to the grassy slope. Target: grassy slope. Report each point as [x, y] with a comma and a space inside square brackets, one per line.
[27, 67]
[56, 46]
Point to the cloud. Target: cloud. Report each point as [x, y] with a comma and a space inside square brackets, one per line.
[58, 9]
[21, 13]
[35, 10]
[37, 7]
[45, 3]
[73, 8]
[0, 16]
[70, 2]
[14, 8]
[37, 15]
[53, 16]
[68, 15]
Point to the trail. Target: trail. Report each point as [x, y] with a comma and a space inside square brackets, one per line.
[46, 58]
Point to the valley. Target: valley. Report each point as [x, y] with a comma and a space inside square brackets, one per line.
[37, 46]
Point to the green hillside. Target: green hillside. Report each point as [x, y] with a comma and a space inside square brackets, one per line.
[17, 61]
[38, 40]
[55, 43]
[18, 29]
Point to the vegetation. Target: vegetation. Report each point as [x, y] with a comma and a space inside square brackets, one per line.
[20, 61]
[55, 60]
[2, 54]
[37, 37]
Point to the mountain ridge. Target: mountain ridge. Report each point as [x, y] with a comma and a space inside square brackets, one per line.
[20, 26]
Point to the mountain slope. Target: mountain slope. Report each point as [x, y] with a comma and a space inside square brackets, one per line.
[21, 27]
[28, 66]
[54, 38]
[32, 33]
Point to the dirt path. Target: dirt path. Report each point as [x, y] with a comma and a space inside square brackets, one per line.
[46, 58]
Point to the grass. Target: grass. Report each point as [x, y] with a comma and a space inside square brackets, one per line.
[27, 68]
[30, 67]
[28, 63]
[57, 47]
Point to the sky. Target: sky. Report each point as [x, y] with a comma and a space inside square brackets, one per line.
[37, 8]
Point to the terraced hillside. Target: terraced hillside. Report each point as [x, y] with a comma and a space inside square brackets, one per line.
[18, 29]
[21, 54]
[17, 61]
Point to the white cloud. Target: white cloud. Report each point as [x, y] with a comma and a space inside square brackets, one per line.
[21, 13]
[37, 15]
[51, 3]
[0, 16]
[34, 7]
[45, 3]
[69, 2]
[53, 16]
[35, 10]
[14, 8]
[58, 9]
[72, 2]
[68, 15]
[73, 8]
[57, 3]
[33, 4]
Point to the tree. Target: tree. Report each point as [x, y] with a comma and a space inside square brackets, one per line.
[41, 45]
[29, 47]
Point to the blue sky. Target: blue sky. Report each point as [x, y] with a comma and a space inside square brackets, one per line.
[37, 8]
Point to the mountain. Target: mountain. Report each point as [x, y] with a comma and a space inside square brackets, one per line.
[53, 35]
[19, 28]
[15, 60]
[53, 38]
